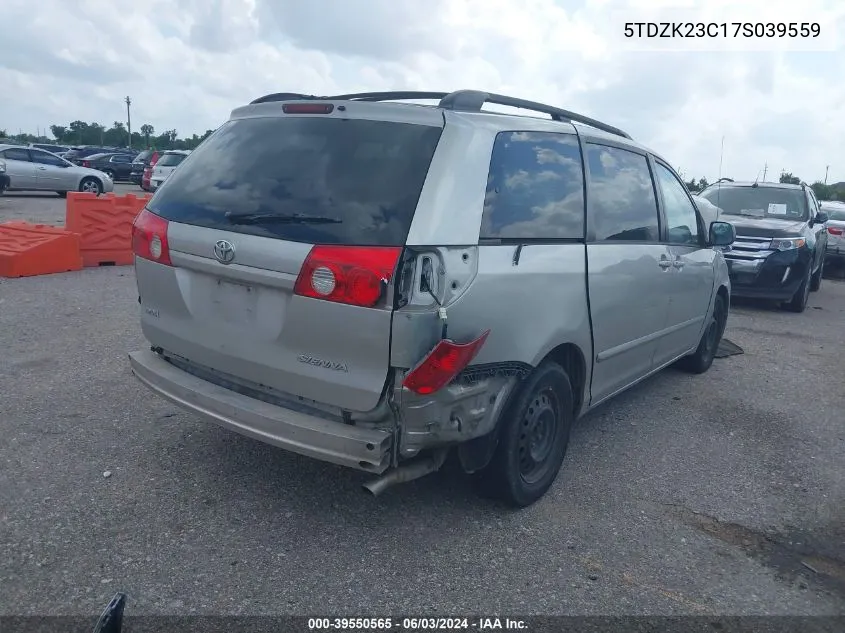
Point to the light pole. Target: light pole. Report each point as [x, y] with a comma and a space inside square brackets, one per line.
[128, 122]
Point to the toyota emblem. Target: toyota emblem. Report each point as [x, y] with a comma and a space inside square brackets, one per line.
[224, 251]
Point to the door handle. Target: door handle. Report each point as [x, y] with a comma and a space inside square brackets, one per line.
[42, 169]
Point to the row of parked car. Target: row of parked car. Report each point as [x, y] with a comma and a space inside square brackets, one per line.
[91, 169]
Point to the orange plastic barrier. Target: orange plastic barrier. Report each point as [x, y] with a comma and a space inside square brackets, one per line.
[104, 225]
[37, 249]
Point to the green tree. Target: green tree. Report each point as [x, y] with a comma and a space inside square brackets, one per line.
[703, 184]
[822, 191]
[147, 130]
[59, 132]
[788, 178]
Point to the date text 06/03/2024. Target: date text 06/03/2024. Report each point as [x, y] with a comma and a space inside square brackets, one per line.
[724, 30]
[416, 624]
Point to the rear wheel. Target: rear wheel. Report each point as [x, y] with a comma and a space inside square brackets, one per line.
[91, 185]
[816, 281]
[532, 440]
[701, 360]
[802, 295]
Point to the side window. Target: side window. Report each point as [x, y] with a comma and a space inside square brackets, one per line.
[622, 202]
[120, 158]
[535, 187]
[15, 153]
[46, 159]
[681, 219]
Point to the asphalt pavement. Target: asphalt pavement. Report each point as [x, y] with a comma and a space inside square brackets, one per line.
[715, 494]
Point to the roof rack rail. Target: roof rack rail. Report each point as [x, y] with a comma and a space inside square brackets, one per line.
[474, 100]
[723, 180]
[459, 100]
[398, 95]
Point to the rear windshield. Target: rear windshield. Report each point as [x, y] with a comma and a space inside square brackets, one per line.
[170, 160]
[362, 178]
[777, 203]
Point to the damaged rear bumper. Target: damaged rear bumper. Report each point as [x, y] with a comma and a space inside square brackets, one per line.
[347, 445]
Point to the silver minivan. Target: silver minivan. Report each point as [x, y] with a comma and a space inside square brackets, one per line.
[377, 284]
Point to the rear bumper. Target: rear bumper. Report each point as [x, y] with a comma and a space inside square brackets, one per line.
[835, 253]
[346, 445]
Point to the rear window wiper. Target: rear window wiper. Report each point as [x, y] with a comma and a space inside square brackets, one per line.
[280, 218]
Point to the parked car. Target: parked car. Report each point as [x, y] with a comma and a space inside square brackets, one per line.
[117, 166]
[781, 239]
[139, 164]
[77, 154]
[375, 284]
[148, 171]
[31, 169]
[835, 251]
[4, 179]
[53, 149]
[165, 165]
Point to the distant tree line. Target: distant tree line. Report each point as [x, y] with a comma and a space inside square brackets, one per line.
[82, 133]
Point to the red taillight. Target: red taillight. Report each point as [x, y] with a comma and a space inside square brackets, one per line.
[834, 230]
[355, 275]
[442, 364]
[86, 163]
[149, 238]
[307, 108]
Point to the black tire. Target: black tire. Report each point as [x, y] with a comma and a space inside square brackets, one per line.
[816, 279]
[700, 361]
[89, 183]
[799, 301]
[538, 419]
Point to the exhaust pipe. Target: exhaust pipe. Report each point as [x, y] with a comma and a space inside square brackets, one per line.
[408, 472]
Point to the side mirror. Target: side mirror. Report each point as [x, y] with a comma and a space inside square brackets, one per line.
[722, 234]
[821, 218]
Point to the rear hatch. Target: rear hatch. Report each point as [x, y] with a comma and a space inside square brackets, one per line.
[269, 255]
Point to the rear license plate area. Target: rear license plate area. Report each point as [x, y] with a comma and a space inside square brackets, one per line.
[234, 303]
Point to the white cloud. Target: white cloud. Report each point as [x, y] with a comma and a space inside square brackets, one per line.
[187, 63]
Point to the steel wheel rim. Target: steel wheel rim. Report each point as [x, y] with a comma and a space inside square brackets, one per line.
[538, 432]
[90, 187]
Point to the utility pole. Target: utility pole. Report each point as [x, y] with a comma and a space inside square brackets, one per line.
[826, 169]
[128, 122]
[765, 171]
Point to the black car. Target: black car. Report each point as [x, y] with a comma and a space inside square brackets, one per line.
[780, 239]
[140, 163]
[118, 166]
[77, 154]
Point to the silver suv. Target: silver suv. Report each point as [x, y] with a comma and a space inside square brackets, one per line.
[374, 283]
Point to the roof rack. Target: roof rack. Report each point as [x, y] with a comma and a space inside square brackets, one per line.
[459, 100]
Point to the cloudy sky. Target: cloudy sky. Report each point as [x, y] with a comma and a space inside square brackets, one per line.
[187, 63]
